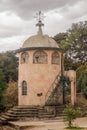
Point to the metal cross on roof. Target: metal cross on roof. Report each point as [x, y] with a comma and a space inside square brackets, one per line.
[39, 16]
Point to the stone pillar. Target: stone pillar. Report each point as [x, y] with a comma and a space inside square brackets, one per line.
[75, 90]
[72, 93]
[72, 77]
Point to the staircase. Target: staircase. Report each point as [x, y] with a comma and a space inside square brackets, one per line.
[45, 114]
[60, 111]
[25, 113]
[20, 113]
[51, 97]
[31, 113]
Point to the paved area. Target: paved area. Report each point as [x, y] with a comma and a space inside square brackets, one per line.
[48, 124]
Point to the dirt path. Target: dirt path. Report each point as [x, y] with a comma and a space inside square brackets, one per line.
[45, 125]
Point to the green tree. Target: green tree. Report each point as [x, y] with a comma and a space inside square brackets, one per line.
[2, 86]
[60, 39]
[9, 65]
[81, 70]
[74, 44]
[77, 39]
[82, 83]
[71, 114]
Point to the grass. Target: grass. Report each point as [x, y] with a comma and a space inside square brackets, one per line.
[75, 128]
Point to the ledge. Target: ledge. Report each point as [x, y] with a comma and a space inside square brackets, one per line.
[36, 48]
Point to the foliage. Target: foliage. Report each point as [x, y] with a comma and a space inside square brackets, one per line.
[8, 72]
[74, 43]
[77, 37]
[9, 66]
[11, 94]
[71, 114]
[2, 86]
[81, 70]
[81, 74]
[2, 107]
[75, 128]
[60, 39]
[82, 83]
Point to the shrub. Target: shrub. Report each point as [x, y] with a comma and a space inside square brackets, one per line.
[71, 114]
[11, 94]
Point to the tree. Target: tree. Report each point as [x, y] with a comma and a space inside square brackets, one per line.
[71, 114]
[60, 38]
[77, 39]
[81, 70]
[2, 87]
[9, 65]
[74, 44]
[82, 83]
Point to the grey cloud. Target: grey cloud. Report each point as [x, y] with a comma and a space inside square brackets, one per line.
[18, 29]
[74, 12]
[60, 14]
[9, 32]
[27, 8]
[11, 43]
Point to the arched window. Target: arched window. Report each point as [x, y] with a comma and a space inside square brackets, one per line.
[55, 58]
[24, 88]
[24, 57]
[40, 57]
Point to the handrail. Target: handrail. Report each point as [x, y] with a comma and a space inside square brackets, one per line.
[51, 87]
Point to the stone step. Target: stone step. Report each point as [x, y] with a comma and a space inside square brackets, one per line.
[5, 116]
[23, 112]
[60, 114]
[60, 106]
[46, 116]
[24, 107]
[59, 110]
[9, 114]
[27, 106]
[21, 115]
[16, 109]
[43, 113]
[2, 119]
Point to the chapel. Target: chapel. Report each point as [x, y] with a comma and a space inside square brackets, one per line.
[40, 69]
[41, 79]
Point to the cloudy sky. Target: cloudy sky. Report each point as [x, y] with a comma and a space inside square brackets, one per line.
[17, 21]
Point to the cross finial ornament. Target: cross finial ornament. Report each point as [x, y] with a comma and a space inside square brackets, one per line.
[39, 16]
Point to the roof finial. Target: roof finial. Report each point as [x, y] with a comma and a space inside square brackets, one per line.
[39, 16]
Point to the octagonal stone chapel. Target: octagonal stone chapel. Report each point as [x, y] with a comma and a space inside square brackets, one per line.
[40, 66]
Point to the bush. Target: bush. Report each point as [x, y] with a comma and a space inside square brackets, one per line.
[2, 107]
[71, 114]
[11, 94]
[82, 83]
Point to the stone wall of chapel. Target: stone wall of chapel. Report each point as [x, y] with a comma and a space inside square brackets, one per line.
[39, 78]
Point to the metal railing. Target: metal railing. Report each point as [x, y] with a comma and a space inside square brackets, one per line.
[52, 87]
